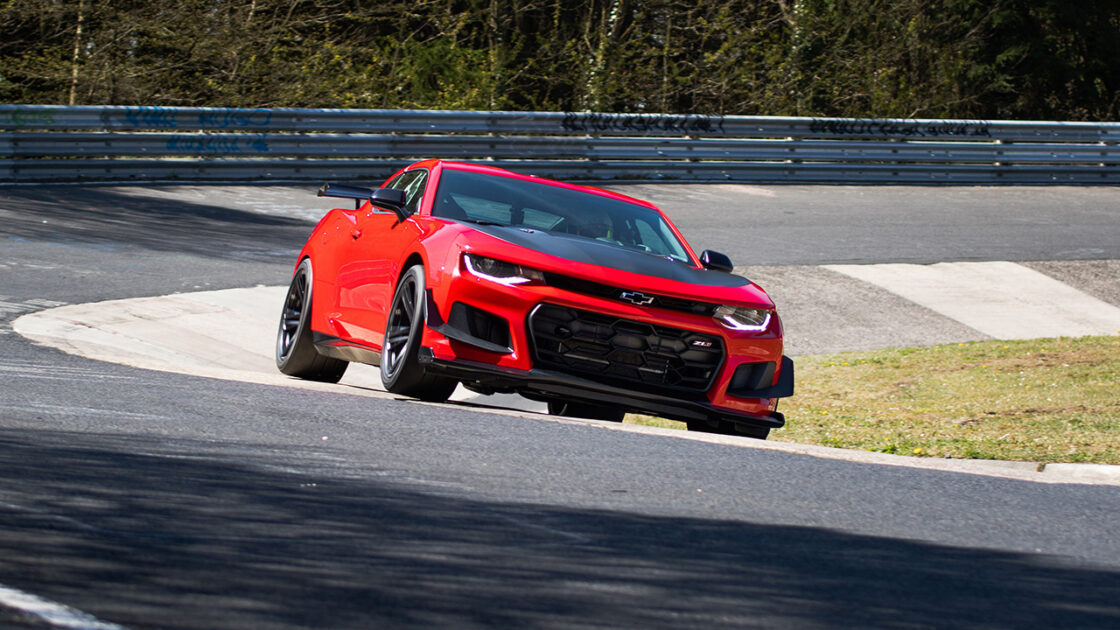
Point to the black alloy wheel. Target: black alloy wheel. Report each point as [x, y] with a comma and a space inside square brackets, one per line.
[401, 372]
[295, 351]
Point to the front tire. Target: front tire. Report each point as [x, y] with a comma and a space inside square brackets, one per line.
[401, 372]
[295, 351]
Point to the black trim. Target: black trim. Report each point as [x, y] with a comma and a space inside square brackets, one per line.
[782, 389]
[343, 191]
[751, 376]
[716, 261]
[436, 323]
[650, 357]
[337, 348]
[391, 199]
[610, 292]
[546, 384]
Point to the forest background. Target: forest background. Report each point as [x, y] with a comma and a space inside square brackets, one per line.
[989, 59]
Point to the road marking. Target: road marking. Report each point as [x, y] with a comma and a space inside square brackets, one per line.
[10, 307]
[73, 410]
[42, 371]
[51, 613]
[746, 189]
[1000, 299]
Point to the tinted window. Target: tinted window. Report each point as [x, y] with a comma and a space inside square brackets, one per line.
[412, 183]
[501, 200]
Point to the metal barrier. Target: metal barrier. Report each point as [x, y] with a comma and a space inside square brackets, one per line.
[86, 144]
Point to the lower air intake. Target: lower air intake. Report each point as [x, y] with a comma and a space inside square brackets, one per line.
[622, 351]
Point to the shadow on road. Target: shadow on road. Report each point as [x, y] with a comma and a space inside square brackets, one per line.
[179, 542]
[107, 217]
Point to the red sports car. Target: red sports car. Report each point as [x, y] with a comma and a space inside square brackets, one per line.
[585, 299]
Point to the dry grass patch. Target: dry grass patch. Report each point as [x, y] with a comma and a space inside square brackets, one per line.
[1043, 400]
[1050, 400]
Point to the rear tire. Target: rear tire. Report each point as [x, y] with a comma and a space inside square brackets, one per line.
[591, 412]
[401, 372]
[295, 351]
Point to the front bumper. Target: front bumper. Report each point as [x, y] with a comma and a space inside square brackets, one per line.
[546, 384]
[473, 353]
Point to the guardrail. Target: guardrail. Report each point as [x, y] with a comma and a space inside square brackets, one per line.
[56, 143]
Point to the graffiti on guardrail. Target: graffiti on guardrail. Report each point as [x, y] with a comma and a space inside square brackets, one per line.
[868, 127]
[225, 145]
[235, 118]
[167, 118]
[685, 124]
[26, 118]
[149, 117]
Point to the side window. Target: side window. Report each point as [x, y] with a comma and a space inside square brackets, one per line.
[413, 184]
[392, 183]
[414, 191]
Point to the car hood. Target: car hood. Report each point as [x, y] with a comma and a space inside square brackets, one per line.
[591, 252]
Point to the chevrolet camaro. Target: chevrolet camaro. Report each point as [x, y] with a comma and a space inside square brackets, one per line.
[581, 298]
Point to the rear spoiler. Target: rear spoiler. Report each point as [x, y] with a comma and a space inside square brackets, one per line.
[391, 199]
[342, 191]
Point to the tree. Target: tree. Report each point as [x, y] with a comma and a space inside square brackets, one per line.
[863, 58]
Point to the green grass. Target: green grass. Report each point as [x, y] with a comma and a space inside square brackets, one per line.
[1041, 400]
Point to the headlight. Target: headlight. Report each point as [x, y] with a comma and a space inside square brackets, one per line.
[501, 271]
[742, 318]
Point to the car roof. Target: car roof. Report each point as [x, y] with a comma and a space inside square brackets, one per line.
[501, 172]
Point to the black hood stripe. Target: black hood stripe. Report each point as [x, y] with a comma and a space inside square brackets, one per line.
[583, 250]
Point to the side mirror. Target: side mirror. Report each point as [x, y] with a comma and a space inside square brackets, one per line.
[390, 199]
[715, 261]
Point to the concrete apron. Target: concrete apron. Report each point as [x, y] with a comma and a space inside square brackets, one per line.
[231, 334]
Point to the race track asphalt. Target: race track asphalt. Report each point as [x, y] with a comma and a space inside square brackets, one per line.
[154, 499]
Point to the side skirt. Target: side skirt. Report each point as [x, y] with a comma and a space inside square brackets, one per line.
[335, 348]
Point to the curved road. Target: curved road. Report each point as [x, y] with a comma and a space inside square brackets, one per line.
[150, 499]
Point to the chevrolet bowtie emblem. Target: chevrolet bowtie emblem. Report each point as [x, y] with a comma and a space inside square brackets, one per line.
[641, 299]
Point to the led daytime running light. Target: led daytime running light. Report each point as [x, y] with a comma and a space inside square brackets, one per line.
[742, 318]
[500, 271]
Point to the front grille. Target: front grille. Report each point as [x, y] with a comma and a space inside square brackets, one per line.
[587, 287]
[622, 351]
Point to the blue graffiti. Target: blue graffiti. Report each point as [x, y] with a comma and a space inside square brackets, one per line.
[217, 145]
[151, 117]
[231, 118]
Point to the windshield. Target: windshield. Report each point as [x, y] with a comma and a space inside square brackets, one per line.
[497, 200]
